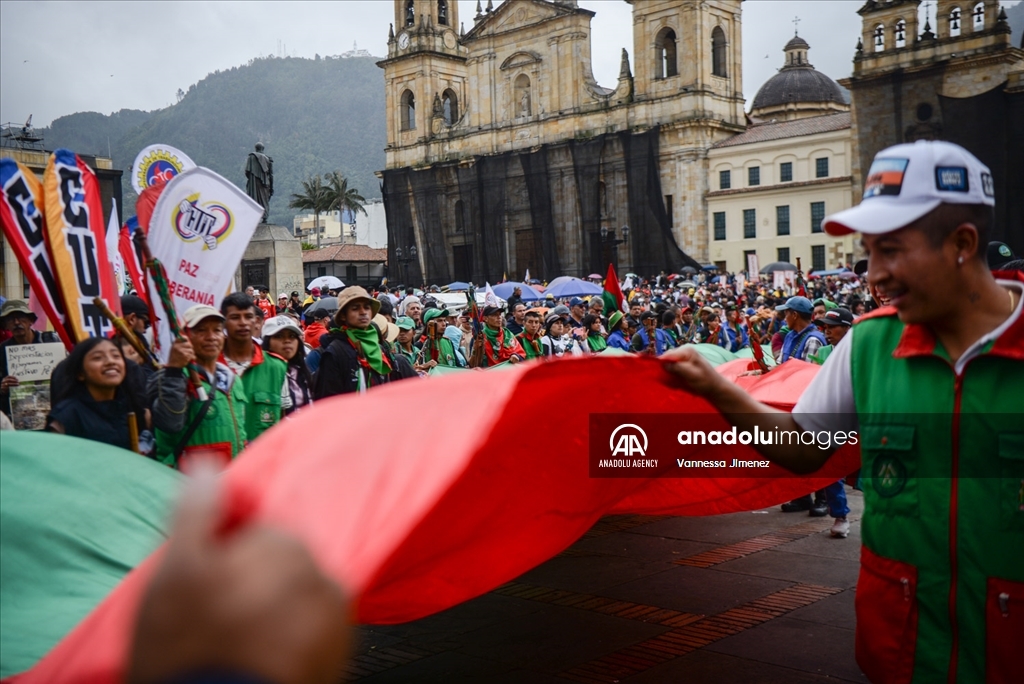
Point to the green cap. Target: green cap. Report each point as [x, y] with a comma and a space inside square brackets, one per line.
[405, 323]
[431, 314]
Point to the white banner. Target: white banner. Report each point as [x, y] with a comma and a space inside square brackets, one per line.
[158, 164]
[200, 228]
[753, 267]
[113, 249]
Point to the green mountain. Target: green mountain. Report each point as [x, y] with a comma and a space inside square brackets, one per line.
[313, 115]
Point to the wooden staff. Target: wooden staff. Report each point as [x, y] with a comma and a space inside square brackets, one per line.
[133, 431]
[127, 333]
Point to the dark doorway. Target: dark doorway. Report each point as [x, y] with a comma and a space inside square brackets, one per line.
[602, 253]
[462, 256]
[528, 253]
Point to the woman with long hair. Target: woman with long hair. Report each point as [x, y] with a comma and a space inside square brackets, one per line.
[282, 337]
[90, 396]
[595, 340]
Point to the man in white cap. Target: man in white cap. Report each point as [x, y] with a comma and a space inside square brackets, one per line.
[204, 414]
[932, 387]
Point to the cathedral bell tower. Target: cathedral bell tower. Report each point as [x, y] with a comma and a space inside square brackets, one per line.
[425, 74]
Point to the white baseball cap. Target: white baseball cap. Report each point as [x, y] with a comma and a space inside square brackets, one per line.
[197, 313]
[280, 324]
[905, 182]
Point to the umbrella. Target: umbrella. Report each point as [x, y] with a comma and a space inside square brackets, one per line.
[326, 283]
[595, 276]
[323, 304]
[709, 267]
[686, 283]
[458, 286]
[529, 294]
[777, 266]
[688, 270]
[572, 287]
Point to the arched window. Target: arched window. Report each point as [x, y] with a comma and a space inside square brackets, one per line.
[460, 219]
[879, 36]
[901, 33]
[523, 104]
[442, 12]
[979, 17]
[665, 54]
[718, 58]
[450, 107]
[407, 112]
[410, 13]
[954, 22]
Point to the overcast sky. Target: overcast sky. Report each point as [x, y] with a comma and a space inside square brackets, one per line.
[58, 58]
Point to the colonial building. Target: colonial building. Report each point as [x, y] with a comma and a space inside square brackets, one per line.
[353, 264]
[961, 80]
[772, 185]
[504, 154]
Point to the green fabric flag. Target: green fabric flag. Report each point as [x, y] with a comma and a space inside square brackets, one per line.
[368, 340]
[75, 517]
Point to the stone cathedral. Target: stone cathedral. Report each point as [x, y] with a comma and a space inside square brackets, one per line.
[505, 155]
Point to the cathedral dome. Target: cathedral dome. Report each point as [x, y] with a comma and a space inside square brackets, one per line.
[798, 89]
[797, 84]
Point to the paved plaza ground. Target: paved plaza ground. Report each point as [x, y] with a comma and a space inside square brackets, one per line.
[757, 597]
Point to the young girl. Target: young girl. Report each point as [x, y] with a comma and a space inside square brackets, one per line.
[283, 337]
[595, 341]
[91, 399]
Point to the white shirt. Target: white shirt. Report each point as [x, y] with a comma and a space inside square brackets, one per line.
[828, 402]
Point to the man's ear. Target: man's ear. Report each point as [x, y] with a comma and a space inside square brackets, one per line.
[964, 240]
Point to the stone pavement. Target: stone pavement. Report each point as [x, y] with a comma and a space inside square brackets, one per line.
[757, 597]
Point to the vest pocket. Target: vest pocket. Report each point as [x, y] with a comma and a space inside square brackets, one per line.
[267, 406]
[886, 607]
[890, 470]
[1004, 631]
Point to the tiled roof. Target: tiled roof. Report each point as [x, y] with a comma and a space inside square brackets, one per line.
[789, 129]
[344, 253]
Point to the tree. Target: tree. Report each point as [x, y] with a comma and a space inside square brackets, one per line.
[315, 198]
[341, 197]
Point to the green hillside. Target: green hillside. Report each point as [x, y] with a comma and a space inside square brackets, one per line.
[313, 115]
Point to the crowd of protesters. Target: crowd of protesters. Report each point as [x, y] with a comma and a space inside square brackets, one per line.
[240, 369]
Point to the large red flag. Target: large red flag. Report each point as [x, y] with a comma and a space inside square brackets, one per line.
[613, 299]
[412, 521]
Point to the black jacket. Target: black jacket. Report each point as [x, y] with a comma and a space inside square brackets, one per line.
[339, 367]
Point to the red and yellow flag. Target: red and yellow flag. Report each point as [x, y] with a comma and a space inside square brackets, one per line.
[77, 236]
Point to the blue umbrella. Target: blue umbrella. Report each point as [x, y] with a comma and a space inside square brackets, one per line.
[458, 286]
[572, 287]
[528, 294]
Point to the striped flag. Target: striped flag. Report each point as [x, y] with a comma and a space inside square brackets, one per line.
[613, 299]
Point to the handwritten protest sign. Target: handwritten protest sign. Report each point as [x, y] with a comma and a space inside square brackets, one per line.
[29, 362]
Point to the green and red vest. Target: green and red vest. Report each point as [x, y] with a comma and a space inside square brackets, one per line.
[263, 380]
[941, 590]
[221, 431]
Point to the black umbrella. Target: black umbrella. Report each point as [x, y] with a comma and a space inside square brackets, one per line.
[688, 270]
[777, 266]
[329, 304]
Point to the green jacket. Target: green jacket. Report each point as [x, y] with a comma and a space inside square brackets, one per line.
[223, 426]
[941, 585]
[263, 381]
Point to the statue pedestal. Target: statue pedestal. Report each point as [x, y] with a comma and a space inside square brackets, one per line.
[273, 258]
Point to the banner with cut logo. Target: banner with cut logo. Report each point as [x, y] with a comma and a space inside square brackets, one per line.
[77, 235]
[158, 164]
[199, 230]
[24, 227]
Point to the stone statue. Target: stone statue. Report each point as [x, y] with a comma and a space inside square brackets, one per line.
[259, 179]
